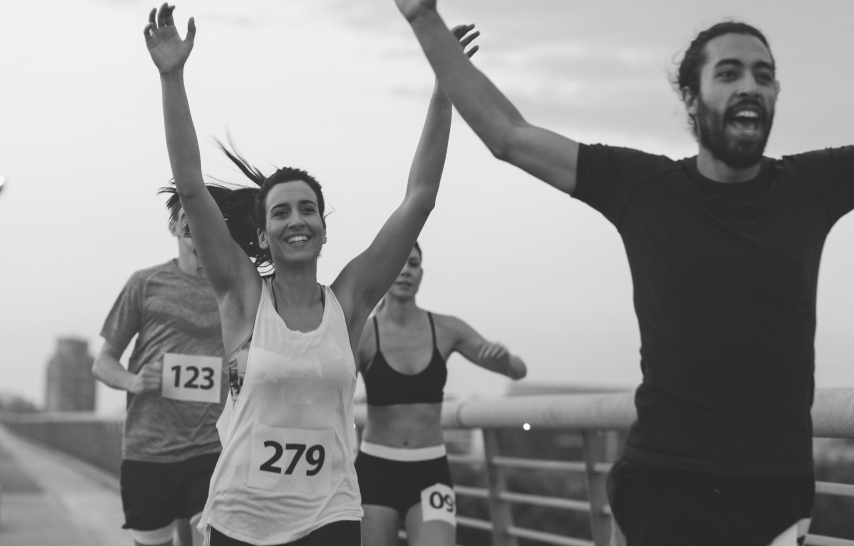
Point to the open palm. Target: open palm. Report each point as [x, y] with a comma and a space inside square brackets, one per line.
[168, 51]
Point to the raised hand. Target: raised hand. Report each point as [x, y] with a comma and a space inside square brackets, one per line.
[168, 51]
[461, 33]
[413, 8]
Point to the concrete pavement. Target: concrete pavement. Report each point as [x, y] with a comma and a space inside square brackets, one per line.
[51, 499]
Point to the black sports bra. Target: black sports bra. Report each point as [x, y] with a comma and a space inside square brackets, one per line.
[386, 386]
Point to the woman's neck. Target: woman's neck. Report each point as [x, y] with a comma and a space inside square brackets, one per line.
[399, 311]
[296, 286]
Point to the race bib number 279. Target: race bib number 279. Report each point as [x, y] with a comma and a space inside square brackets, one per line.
[291, 459]
[191, 378]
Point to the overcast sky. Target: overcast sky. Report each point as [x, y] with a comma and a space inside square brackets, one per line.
[340, 88]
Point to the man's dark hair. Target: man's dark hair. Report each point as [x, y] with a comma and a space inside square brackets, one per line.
[688, 73]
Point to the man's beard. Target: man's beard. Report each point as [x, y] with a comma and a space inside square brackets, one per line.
[732, 151]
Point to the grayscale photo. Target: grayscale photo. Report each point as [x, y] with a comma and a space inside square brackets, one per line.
[427, 273]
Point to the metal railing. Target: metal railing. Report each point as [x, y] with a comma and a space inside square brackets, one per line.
[590, 415]
[598, 419]
[90, 438]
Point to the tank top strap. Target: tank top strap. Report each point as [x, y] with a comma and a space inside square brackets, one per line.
[432, 328]
[377, 332]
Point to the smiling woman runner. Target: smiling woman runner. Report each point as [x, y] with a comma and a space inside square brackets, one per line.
[286, 473]
[402, 465]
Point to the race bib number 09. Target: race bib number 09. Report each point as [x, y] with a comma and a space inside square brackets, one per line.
[440, 503]
[191, 378]
[291, 459]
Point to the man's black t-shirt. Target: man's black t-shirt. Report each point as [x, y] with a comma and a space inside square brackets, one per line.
[725, 293]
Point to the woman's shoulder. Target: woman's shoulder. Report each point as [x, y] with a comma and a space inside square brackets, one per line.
[449, 323]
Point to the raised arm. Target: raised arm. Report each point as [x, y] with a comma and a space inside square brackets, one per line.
[491, 356]
[226, 266]
[546, 155]
[368, 276]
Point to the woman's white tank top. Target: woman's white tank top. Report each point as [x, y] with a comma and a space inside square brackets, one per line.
[286, 466]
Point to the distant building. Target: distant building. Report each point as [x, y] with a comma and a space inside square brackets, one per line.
[70, 385]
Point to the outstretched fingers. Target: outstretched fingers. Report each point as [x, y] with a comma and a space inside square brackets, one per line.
[162, 15]
[191, 31]
[461, 33]
[169, 19]
[151, 26]
[467, 40]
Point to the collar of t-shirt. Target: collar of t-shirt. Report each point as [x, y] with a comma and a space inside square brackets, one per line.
[180, 272]
[733, 192]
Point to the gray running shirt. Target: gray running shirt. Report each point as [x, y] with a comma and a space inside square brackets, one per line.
[172, 312]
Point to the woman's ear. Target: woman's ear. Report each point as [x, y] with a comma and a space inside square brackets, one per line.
[263, 242]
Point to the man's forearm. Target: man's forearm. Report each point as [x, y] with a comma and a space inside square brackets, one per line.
[479, 102]
[110, 372]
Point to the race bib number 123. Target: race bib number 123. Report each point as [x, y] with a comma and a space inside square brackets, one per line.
[291, 459]
[191, 378]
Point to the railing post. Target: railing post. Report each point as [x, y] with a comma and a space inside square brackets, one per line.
[499, 510]
[600, 522]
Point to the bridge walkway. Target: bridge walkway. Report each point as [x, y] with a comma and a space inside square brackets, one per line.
[51, 499]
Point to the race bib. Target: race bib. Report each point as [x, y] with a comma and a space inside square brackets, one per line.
[191, 378]
[291, 460]
[439, 502]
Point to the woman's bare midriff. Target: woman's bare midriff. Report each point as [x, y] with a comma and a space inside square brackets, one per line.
[407, 426]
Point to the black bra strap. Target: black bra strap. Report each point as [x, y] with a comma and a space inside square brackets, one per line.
[432, 328]
[377, 332]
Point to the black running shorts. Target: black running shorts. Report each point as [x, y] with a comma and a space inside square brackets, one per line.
[662, 506]
[337, 533]
[156, 494]
[398, 484]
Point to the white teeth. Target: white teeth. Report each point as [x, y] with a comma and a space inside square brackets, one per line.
[296, 238]
[747, 114]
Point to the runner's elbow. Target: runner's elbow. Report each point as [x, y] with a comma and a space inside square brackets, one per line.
[499, 149]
